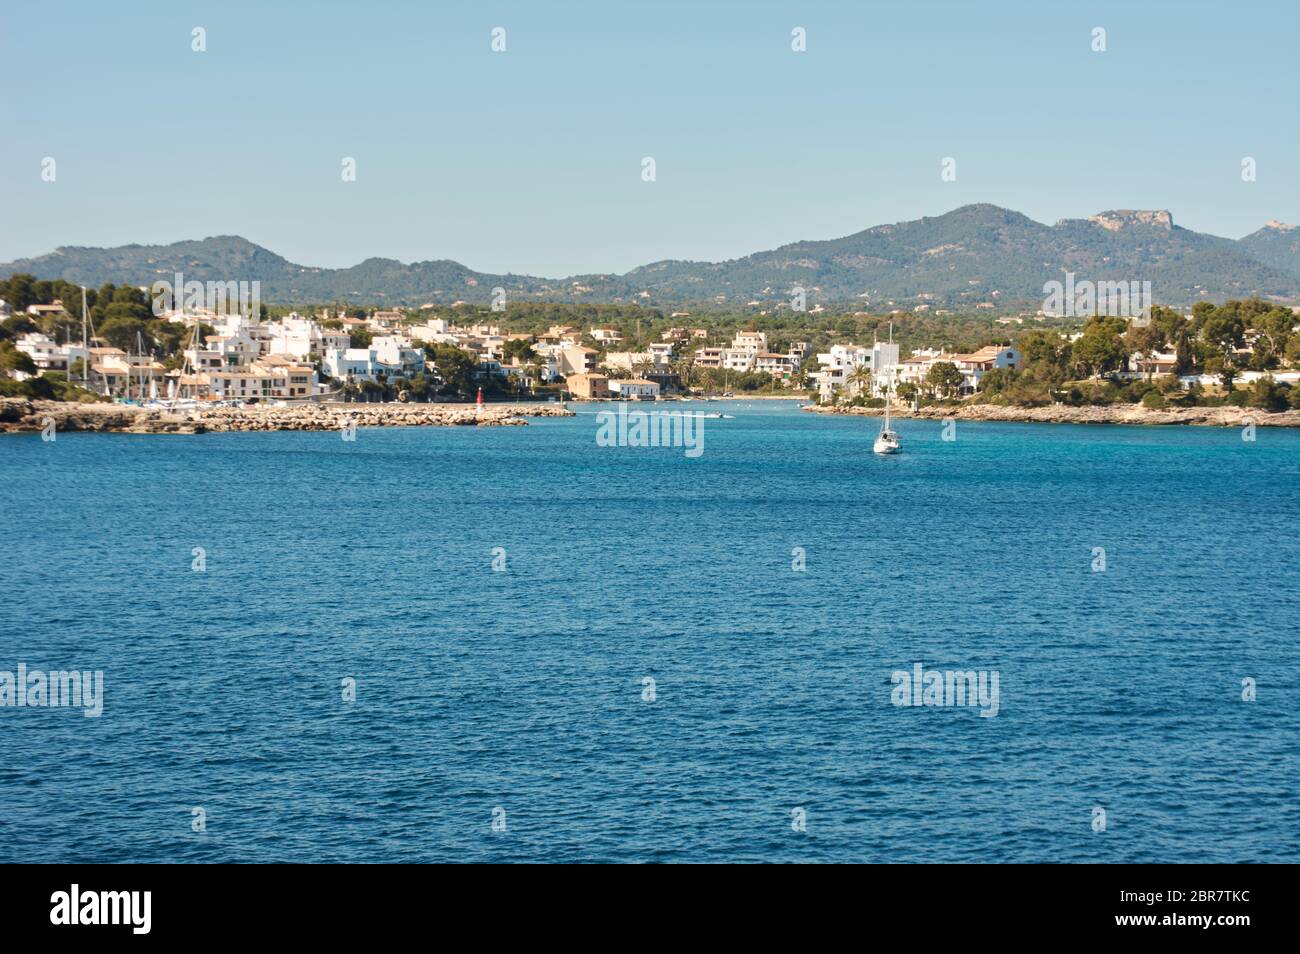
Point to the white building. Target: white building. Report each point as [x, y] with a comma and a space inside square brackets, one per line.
[707, 358]
[973, 366]
[777, 365]
[366, 364]
[548, 369]
[394, 351]
[634, 389]
[435, 330]
[357, 363]
[839, 366]
[661, 353]
[656, 356]
[916, 368]
[300, 337]
[48, 354]
[750, 341]
[224, 351]
[738, 359]
[1149, 365]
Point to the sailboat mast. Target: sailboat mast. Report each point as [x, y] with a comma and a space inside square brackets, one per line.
[139, 344]
[195, 365]
[85, 344]
[889, 391]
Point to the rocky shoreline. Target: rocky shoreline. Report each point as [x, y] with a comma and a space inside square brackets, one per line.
[19, 415]
[1091, 414]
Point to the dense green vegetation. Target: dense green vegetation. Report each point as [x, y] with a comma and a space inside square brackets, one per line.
[122, 315]
[1211, 342]
[1277, 245]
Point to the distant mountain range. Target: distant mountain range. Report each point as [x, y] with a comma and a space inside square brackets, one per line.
[975, 254]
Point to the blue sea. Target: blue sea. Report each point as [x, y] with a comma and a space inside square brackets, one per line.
[646, 675]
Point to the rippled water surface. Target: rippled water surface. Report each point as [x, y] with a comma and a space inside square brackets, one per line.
[522, 690]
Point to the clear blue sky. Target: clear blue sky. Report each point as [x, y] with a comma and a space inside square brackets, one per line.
[529, 161]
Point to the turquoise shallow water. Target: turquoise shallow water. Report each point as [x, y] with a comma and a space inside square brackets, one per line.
[522, 690]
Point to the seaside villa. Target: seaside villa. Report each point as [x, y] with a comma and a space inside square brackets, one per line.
[915, 368]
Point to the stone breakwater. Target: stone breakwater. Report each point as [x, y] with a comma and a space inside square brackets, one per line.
[1065, 414]
[22, 415]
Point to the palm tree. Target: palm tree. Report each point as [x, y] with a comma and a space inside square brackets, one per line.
[683, 368]
[861, 379]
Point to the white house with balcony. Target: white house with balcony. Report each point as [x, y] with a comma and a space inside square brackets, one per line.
[750, 341]
[738, 359]
[661, 353]
[224, 351]
[47, 354]
[365, 364]
[707, 357]
[777, 365]
[395, 351]
[838, 368]
[300, 337]
[916, 368]
[975, 365]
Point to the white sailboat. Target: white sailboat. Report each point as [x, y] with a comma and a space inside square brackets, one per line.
[887, 440]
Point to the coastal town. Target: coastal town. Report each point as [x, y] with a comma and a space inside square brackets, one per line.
[583, 433]
[1243, 353]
